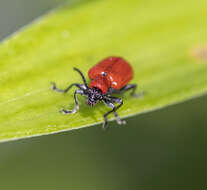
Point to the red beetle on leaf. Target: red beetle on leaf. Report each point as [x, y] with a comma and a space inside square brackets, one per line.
[110, 76]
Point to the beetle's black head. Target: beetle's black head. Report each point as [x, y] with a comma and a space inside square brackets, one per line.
[94, 96]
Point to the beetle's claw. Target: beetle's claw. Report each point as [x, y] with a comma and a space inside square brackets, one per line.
[105, 126]
[63, 111]
[121, 122]
[53, 86]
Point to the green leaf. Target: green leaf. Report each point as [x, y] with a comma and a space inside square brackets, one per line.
[159, 39]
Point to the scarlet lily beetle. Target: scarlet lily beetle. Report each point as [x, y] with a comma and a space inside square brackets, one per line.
[110, 76]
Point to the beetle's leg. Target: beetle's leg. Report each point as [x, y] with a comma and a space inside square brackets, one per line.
[109, 102]
[111, 91]
[118, 120]
[132, 87]
[80, 86]
[76, 103]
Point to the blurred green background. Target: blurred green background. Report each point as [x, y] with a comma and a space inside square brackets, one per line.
[165, 149]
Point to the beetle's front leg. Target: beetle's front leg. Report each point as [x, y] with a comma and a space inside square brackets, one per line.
[80, 86]
[109, 102]
[76, 103]
[118, 120]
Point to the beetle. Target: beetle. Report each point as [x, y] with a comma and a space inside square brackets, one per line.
[109, 76]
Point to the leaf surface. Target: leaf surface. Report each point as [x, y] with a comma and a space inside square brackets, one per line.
[161, 40]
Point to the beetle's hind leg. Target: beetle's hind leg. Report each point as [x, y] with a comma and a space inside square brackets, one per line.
[133, 88]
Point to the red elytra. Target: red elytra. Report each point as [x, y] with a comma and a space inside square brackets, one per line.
[112, 72]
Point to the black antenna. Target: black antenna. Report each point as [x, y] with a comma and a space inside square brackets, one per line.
[83, 78]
